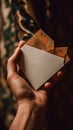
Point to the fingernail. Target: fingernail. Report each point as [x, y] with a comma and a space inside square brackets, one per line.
[48, 85]
[60, 73]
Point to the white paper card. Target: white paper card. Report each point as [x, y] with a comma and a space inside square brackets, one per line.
[38, 65]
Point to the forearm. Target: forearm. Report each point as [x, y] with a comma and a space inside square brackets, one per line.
[27, 118]
[21, 118]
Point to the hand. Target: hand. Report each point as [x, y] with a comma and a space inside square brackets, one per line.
[25, 94]
[20, 87]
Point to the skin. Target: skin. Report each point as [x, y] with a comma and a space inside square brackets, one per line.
[32, 104]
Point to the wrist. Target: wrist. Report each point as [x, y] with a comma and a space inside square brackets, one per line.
[25, 107]
[32, 117]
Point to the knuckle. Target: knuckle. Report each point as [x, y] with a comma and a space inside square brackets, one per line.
[9, 60]
[9, 78]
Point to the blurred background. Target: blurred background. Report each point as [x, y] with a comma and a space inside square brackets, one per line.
[19, 20]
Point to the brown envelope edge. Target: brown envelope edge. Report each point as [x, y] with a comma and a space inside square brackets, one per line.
[44, 42]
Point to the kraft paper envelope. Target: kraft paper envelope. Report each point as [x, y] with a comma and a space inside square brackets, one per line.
[39, 65]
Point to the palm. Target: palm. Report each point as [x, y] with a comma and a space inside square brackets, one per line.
[20, 87]
[23, 90]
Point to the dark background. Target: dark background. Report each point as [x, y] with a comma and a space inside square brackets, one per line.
[56, 19]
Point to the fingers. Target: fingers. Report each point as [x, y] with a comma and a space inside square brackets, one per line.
[12, 63]
[56, 77]
[50, 84]
[54, 80]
